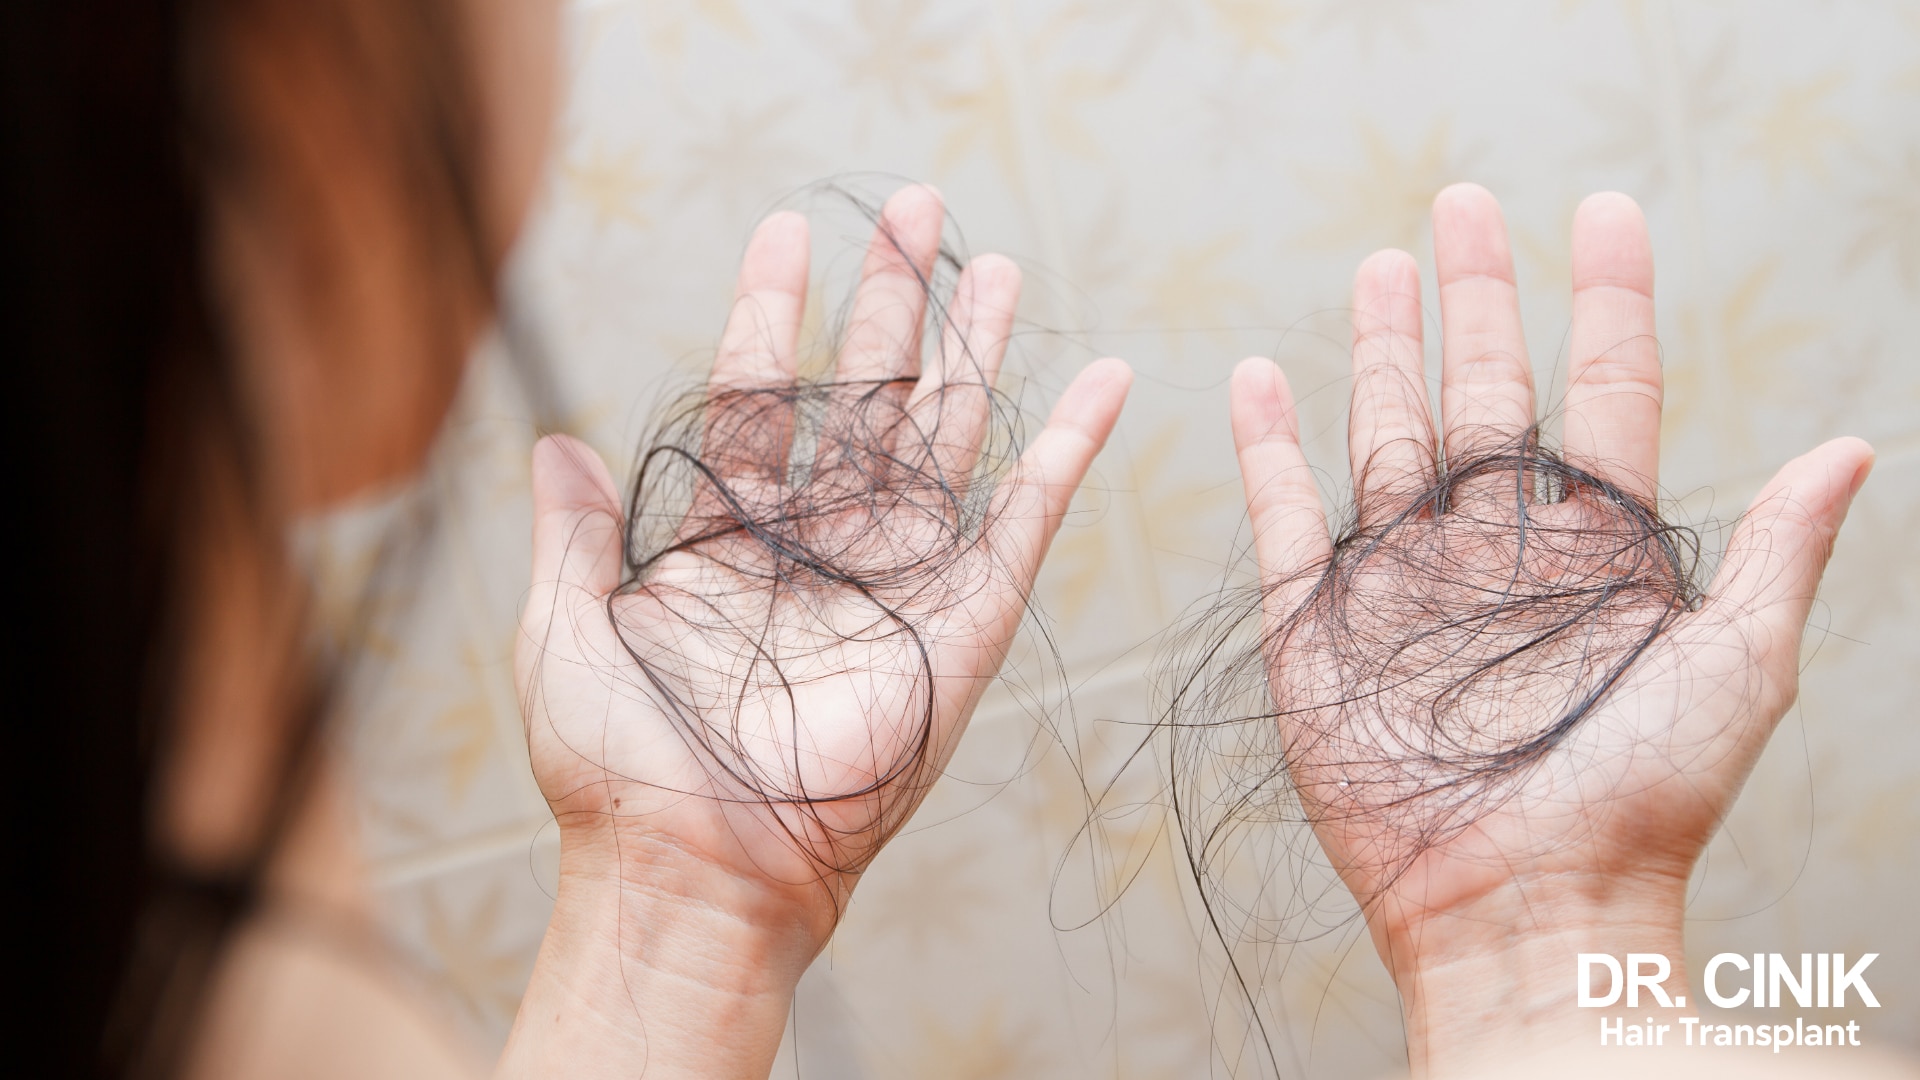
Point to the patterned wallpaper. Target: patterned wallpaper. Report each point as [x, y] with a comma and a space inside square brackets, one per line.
[1187, 182]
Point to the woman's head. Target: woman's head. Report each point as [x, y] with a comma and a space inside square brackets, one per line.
[260, 237]
[365, 166]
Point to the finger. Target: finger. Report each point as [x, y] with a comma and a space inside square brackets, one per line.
[758, 346]
[1283, 502]
[749, 421]
[1486, 385]
[1613, 397]
[883, 339]
[1032, 501]
[1774, 561]
[954, 397]
[576, 517]
[1390, 422]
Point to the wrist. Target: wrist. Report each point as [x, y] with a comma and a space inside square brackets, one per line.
[654, 962]
[1495, 978]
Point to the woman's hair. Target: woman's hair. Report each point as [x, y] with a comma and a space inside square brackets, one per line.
[1403, 687]
[122, 123]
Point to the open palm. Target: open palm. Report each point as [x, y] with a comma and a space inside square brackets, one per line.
[1500, 697]
[765, 683]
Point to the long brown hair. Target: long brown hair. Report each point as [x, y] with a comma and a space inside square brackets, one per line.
[120, 122]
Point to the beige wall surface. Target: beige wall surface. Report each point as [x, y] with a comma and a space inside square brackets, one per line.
[1188, 182]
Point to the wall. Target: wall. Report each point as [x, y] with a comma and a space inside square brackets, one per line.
[1187, 183]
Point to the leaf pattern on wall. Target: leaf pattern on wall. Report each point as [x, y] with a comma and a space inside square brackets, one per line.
[1185, 182]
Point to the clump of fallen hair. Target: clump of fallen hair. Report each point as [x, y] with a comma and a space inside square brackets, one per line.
[808, 547]
[1402, 688]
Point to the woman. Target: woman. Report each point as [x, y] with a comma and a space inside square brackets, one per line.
[262, 235]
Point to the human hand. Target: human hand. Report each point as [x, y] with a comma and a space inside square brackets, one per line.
[732, 710]
[1511, 719]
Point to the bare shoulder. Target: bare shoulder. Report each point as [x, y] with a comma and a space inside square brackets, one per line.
[308, 987]
[291, 1003]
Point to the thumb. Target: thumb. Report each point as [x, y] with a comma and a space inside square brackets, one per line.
[576, 517]
[1779, 550]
